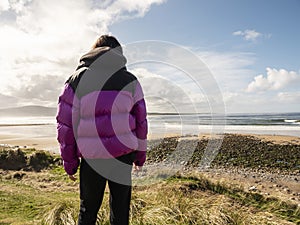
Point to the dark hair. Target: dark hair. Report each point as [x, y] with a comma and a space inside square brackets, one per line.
[106, 40]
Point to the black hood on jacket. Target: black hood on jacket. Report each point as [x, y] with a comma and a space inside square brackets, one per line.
[103, 57]
[102, 68]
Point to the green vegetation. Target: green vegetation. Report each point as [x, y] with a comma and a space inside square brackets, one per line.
[45, 198]
[34, 189]
[26, 159]
[28, 200]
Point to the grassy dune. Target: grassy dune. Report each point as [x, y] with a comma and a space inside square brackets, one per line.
[48, 198]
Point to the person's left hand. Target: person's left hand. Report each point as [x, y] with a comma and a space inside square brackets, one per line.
[137, 169]
[72, 177]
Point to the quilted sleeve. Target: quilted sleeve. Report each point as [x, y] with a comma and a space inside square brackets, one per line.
[140, 113]
[67, 116]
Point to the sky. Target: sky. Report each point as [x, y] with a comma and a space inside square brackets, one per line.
[250, 49]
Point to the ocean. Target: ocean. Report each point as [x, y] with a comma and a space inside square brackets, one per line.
[36, 130]
[271, 123]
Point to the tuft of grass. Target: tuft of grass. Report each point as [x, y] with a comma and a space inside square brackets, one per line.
[59, 214]
[285, 210]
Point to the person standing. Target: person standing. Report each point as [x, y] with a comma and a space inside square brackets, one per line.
[102, 126]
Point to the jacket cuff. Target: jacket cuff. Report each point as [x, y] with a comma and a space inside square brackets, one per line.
[138, 163]
[71, 168]
[140, 158]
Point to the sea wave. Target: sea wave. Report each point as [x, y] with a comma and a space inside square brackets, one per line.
[185, 129]
[292, 121]
[26, 121]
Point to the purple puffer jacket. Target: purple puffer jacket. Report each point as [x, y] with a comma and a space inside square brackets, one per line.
[101, 115]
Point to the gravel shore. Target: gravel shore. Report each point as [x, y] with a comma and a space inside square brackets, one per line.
[265, 164]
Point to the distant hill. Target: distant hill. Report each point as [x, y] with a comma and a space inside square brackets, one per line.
[26, 111]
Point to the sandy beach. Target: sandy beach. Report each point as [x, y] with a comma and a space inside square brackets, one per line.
[30, 135]
[43, 143]
[278, 139]
[51, 144]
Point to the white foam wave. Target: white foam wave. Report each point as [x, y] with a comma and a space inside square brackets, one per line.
[290, 121]
[196, 129]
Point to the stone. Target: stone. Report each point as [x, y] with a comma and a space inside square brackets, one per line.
[252, 188]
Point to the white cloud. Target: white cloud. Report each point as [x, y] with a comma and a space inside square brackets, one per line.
[37, 87]
[289, 97]
[143, 73]
[42, 39]
[248, 35]
[169, 95]
[229, 69]
[4, 5]
[241, 102]
[274, 80]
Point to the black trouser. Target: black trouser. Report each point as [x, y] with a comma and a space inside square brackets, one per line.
[93, 177]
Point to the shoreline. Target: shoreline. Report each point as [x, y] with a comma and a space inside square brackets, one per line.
[51, 144]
